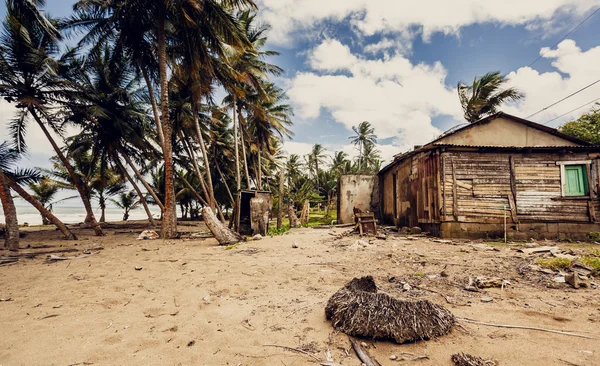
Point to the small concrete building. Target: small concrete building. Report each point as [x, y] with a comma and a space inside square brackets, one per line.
[464, 183]
[356, 191]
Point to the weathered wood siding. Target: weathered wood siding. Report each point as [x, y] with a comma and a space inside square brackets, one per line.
[478, 186]
[417, 197]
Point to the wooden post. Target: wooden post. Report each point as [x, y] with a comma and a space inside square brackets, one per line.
[454, 193]
[280, 203]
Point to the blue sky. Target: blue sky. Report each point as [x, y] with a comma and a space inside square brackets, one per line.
[397, 64]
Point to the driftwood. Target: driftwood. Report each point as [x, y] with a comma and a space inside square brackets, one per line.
[463, 359]
[358, 310]
[220, 231]
[55, 258]
[293, 349]
[363, 354]
[524, 327]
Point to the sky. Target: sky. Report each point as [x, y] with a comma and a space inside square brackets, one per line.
[396, 64]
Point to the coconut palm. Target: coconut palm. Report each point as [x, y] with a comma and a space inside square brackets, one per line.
[316, 156]
[371, 159]
[29, 79]
[249, 69]
[127, 202]
[339, 162]
[45, 191]
[365, 135]
[269, 117]
[13, 179]
[485, 95]
[195, 30]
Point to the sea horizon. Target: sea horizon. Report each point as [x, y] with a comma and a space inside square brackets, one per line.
[72, 214]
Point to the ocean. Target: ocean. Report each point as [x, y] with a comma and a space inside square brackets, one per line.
[73, 214]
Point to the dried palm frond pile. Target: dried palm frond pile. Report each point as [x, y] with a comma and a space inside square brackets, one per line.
[463, 359]
[358, 310]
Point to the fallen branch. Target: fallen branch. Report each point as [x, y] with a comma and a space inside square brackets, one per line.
[524, 327]
[363, 354]
[55, 258]
[295, 350]
[407, 356]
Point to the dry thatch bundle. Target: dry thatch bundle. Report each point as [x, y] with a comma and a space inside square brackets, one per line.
[463, 359]
[358, 310]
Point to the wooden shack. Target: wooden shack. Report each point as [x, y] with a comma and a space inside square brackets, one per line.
[466, 182]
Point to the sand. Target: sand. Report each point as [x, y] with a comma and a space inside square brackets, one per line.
[195, 303]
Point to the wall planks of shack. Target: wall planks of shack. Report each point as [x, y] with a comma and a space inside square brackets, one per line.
[484, 184]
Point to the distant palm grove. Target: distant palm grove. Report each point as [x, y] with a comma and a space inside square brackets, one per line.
[139, 89]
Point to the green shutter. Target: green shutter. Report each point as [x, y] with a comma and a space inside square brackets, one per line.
[576, 180]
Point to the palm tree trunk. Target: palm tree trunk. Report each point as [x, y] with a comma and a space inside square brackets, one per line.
[225, 183]
[211, 192]
[138, 191]
[199, 174]
[161, 137]
[11, 234]
[43, 210]
[169, 222]
[238, 181]
[78, 184]
[280, 203]
[259, 170]
[317, 171]
[141, 178]
[245, 158]
[191, 188]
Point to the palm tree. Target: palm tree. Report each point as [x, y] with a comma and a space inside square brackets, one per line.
[485, 95]
[316, 156]
[196, 30]
[127, 203]
[365, 135]
[339, 161]
[29, 79]
[110, 112]
[268, 117]
[249, 69]
[107, 185]
[44, 191]
[371, 159]
[14, 178]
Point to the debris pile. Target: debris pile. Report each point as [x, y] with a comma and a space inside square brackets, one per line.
[148, 235]
[463, 359]
[358, 310]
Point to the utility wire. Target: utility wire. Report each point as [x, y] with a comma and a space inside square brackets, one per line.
[565, 36]
[563, 99]
[571, 111]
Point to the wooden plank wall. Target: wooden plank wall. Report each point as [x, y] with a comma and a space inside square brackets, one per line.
[478, 186]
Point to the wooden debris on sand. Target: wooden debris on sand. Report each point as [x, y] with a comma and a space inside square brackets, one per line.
[363, 354]
[463, 359]
[358, 310]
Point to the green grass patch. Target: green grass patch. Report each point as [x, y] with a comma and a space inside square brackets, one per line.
[591, 261]
[273, 231]
[553, 263]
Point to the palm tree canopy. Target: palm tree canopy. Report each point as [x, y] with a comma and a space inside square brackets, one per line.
[485, 95]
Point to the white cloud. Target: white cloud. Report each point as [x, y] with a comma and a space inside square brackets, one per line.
[397, 97]
[293, 18]
[575, 69]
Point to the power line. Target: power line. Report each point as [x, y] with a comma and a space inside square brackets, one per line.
[565, 36]
[571, 111]
[563, 99]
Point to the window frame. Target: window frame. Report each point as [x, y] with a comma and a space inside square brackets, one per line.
[563, 181]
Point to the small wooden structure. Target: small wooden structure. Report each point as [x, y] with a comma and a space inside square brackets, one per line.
[366, 223]
[463, 183]
[253, 211]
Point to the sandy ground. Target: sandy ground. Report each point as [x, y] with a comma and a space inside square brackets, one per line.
[195, 303]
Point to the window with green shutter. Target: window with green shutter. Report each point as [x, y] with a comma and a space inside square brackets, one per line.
[576, 181]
